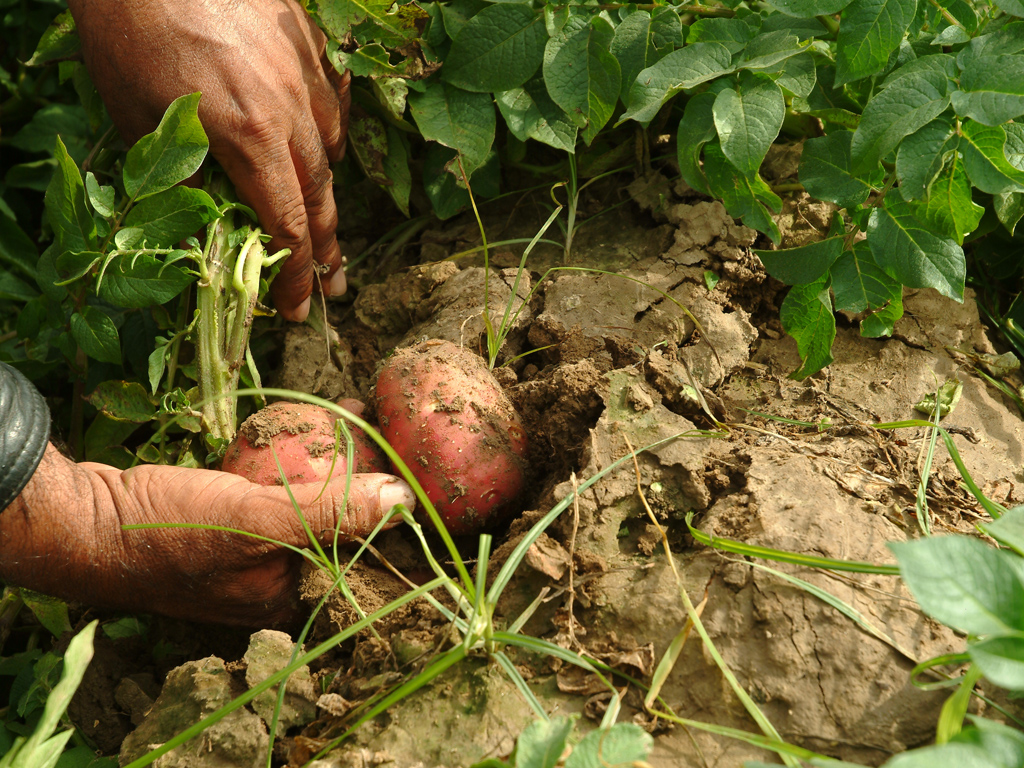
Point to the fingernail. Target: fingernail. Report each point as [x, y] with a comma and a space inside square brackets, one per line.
[301, 312]
[396, 492]
[337, 285]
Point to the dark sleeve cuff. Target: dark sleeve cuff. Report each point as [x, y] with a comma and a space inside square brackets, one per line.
[24, 432]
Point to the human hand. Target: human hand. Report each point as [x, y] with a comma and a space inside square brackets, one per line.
[274, 108]
[63, 536]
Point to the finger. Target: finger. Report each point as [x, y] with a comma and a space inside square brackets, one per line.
[370, 498]
[317, 183]
[331, 104]
[266, 179]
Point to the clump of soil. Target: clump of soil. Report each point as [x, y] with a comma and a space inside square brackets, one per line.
[600, 364]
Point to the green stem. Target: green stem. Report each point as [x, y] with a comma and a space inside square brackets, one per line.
[830, 24]
[213, 370]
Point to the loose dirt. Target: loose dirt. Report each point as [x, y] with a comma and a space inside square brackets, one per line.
[598, 364]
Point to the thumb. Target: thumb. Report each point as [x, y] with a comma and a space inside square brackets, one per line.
[370, 498]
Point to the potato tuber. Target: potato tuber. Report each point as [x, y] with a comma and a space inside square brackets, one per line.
[443, 412]
[303, 436]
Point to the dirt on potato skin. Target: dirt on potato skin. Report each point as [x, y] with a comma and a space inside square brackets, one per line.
[619, 363]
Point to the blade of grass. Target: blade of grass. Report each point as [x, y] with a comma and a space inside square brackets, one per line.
[782, 556]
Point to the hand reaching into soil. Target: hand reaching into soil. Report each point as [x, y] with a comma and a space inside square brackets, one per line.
[275, 110]
[62, 536]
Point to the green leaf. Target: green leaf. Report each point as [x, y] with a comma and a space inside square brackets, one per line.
[372, 60]
[949, 209]
[912, 253]
[922, 155]
[51, 612]
[964, 583]
[1011, 7]
[64, 120]
[859, 284]
[396, 168]
[805, 9]
[869, 30]
[696, 129]
[951, 753]
[391, 28]
[581, 75]
[769, 49]
[798, 75]
[1007, 39]
[531, 114]
[828, 103]
[748, 119]
[101, 197]
[447, 195]
[15, 289]
[498, 49]
[172, 215]
[136, 281]
[897, 111]
[1001, 660]
[825, 171]
[1014, 147]
[985, 159]
[73, 227]
[642, 40]
[124, 401]
[745, 197]
[16, 248]
[542, 742]
[806, 264]
[458, 119]
[369, 141]
[95, 334]
[622, 744]
[682, 69]
[1008, 529]
[734, 34]
[172, 153]
[59, 41]
[1009, 208]
[991, 89]
[807, 316]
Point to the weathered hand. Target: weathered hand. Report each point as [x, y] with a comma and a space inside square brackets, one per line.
[63, 536]
[275, 110]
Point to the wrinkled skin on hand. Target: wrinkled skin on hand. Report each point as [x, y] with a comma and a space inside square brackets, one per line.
[275, 110]
[63, 536]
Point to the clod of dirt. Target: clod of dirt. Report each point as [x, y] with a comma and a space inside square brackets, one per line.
[190, 693]
[269, 652]
[441, 304]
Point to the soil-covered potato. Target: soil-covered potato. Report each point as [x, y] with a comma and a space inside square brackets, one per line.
[303, 436]
[443, 412]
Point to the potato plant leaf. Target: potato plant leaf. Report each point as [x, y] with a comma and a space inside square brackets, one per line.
[964, 583]
[581, 74]
[682, 69]
[124, 401]
[922, 154]
[531, 114]
[456, 118]
[949, 208]
[746, 197]
[805, 264]
[172, 215]
[798, 75]
[392, 27]
[825, 171]
[642, 40]
[622, 744]
[769, 49]
[172, 153]
[903, 245]
[696, 129]
[859, 285]
[73, 227]
[805, 9]
[499, 48]
[748, 119]
[991, 89]
[807, 316]
[1009, 207]
[896, 111]
[985, 159]
[96, 335]
[1001, 660]
[133, 281]
[733, 33]
[869, 30]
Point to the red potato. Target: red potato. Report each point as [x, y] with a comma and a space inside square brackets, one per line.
[302, 435]
[443, 412]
